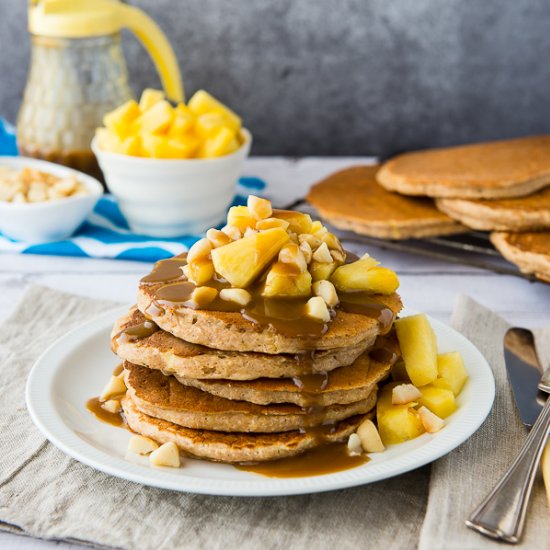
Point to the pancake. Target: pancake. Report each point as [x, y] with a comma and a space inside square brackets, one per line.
[231, 331]
[498, 169]
[236, 447]
[164, 397]
[163, 351]
[529, 251]
[341, 386]
[352, 200]
[521, 214]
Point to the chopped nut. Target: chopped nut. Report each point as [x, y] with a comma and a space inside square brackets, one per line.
[404, 393]
[291, 254]
[322, 254]
[38, 192]
[306, 251]
[332, 241]
[115, 386]
[19, 197]
[354, 445]
[237, 295]
[112, 406]
[232, 232]
[316, 226]
[249, 231]
[186, 271]
[269, 223]
[259, 208]
[167, 454]
[338, 256]
[327, 291]
[431, 422]
[317, 308]
[142, 445]
[217, 238]
[370, 438]
[203, 295]
[200, 250]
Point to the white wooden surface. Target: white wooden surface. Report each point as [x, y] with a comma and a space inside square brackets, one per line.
[426, 285]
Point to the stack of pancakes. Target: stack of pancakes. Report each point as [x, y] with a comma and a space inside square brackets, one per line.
[502, 187]
[225, 388]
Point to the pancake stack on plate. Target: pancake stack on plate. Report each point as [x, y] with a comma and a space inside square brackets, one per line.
[272, 370]
[502, 187]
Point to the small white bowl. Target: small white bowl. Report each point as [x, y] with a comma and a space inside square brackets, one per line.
[55, 220]
[173, 197]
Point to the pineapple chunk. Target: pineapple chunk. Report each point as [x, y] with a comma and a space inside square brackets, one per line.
[182, 123]
[258, 207]
[208, 123]
[131, 146]
[163, 147]
[148, 98]
[240, 262]
[240, 217]
[270, 223]
[298, 221]
[155, 120]
[142, 445]
[367, 276]
[286, 280]
[202, 102]
[399, 423]
[220, 143]
[451, 372]
[120, 120]
[418, 348]
[439, 400]
[201, 271]
[321, 271]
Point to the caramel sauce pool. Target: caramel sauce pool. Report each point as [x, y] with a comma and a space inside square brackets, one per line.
[323, 460]
[114, 419]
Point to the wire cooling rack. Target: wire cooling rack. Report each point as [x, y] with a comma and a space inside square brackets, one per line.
[470, 249]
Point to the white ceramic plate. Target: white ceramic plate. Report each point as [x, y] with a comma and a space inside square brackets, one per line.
[77, 366]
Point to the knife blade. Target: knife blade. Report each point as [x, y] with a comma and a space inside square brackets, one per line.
[524, 372]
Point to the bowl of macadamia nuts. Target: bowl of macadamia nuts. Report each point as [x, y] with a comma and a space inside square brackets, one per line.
[41, 201]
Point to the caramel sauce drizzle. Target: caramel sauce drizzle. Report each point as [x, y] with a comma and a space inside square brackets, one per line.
[94, 406]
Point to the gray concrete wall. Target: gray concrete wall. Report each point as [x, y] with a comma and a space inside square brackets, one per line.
[345, 77]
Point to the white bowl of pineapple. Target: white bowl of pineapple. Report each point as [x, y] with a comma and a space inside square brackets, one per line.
[172, 169]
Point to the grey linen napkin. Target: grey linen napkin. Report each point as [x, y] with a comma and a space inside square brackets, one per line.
[460, 480]
[45, 494]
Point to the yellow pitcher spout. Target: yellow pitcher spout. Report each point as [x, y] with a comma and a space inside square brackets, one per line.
[84, 18]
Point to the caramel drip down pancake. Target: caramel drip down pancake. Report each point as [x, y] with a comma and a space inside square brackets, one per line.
[492, 170]
[529, 251]
[352, 199]
[236, 447]
[158, 349]
[521, 214]
[164, 397]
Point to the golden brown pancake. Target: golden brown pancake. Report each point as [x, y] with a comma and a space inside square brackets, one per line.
[164, 397]
[352, 199]
[521, 214]
[235, 447]
[498, 169]
[529, 251]
[231, 331]
[163, 351]
[340, 386]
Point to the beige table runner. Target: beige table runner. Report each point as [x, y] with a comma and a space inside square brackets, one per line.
[45, 494]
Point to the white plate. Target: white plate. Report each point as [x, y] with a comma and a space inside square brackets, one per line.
[77, 366]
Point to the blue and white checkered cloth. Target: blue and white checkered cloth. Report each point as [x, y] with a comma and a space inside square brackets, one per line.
[105, 234]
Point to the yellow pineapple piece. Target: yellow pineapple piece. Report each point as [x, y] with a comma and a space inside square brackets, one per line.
[108, 140]
[163, 147]
[131, 146]
[201, 271]
[219, 144]
[155, 120]
[148, 98]
[316, 226]
[286, 280]
[451, 372]
[367, 276]
[182, 123]
[241, 261]
[208, 123]
[120, 121]
[321, 271]
[439, 400]
[241, 218]
[202, 102]
[418, 348]
[298, 222]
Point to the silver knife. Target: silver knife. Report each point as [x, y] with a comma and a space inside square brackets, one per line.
[502, 514]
